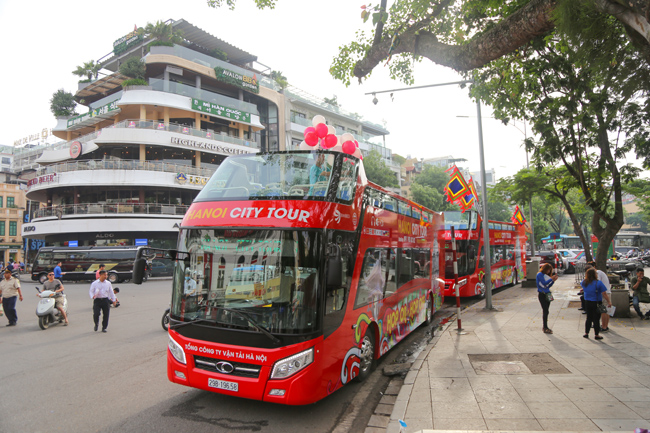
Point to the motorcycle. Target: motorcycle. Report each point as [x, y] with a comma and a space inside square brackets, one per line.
[46, 311]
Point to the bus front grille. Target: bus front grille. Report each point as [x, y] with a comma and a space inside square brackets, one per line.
[220, 366]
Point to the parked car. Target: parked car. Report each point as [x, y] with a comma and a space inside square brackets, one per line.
[161, 268]
[550, 257]
[569, 258]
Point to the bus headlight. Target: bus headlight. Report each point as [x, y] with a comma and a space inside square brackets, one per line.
[289, 366]
[176, 351]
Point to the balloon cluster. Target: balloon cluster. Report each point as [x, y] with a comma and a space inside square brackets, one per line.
[323, 135]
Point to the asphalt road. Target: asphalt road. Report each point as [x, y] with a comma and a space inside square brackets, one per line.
[73, 379]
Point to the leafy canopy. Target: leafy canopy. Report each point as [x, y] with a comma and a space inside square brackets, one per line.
[62, 104]
[378, 172]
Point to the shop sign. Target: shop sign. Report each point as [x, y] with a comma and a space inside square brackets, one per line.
[13, 250]
[127, 41]
[34, 137]
[29, 229]
[220, 148]
[4, 247]
[104, 235]
[220, 110]
[41, 179]
[182, 179]
[111, 106]
[243, 81]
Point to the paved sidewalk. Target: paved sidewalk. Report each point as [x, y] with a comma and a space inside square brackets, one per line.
[504, 373]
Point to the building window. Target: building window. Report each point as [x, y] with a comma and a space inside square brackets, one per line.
[13, 228]
[10, 202]
[6, 160]
[297, 115]
[2, 228]
[1, 197]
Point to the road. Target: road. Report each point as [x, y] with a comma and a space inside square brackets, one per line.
[73, 379]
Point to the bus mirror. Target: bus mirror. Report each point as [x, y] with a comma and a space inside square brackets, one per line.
[139, 266]
[334, 273]
[172, 254]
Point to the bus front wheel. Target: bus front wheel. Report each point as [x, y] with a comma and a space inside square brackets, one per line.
[112, 277]
[42, 278]
[367, 361]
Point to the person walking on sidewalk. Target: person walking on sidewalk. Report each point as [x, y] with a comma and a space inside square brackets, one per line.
[545, 279]
[101, 291]
[640, 291]
[9, 291]
[603, 278]
[595, 291]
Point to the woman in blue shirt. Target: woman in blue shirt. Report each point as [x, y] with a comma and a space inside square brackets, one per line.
[594, 292]
[545, 279]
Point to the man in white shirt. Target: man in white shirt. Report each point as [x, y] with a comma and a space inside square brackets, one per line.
[190, 292]
[101, 292]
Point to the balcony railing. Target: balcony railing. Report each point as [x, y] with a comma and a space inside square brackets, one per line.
[112, 208]
[124, 164]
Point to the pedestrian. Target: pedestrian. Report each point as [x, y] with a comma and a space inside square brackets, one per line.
[545, 279]
[595, 291]
[101, 268]
[640, 292]
[101, 292]
[9, 291]
[603, 278]
[55, 286]
[57, 271]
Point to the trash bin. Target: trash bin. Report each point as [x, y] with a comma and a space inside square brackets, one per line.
[532, 268]
[621, 300]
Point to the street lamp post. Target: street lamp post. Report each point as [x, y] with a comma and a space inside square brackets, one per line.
[486, 232]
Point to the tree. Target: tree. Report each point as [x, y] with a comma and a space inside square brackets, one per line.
[89, 69]
[430, 186]
[468, 34]
[280, 79]
[162, 32]
[377, 172]
[332, 101]
[133, 68]
[399, 159]
[63, 104]
[587, 118]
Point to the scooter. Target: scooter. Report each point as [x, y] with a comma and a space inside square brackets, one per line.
[45, 310]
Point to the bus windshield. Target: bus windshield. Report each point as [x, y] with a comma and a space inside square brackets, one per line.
[231, 278]
[459, 220]
[290, 175]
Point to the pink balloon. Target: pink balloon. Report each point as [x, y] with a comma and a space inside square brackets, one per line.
[349, 147]
[311, 138]
[321, 130]
[308, 130]
[330, 141]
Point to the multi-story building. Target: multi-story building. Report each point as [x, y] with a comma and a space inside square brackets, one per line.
[12, 208]
[127, 169]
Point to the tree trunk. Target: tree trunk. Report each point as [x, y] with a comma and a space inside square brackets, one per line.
[605, 237]
[577, 227]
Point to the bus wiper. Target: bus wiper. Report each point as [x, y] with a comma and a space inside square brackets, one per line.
[180, 324]
[253, 324]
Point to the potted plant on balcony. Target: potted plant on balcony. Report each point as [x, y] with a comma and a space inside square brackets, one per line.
[135, 69]
[62, 104]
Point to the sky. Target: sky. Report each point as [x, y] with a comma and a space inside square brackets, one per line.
[43, 42]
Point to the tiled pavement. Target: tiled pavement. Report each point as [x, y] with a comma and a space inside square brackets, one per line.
[580, 385]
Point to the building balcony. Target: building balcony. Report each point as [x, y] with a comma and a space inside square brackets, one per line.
[86, 209]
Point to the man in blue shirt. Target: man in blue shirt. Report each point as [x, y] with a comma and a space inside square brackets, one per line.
[57, 271]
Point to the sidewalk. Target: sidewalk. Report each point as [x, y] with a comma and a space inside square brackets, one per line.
[504, 373]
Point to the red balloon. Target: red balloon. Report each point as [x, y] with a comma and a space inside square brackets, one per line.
[330, 141]
[309, 129]
[321, 130]
[349, 147]
[311, 138]
[356, 143]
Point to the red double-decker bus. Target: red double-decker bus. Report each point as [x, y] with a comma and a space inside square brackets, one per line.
[507, 253]
[291, 280]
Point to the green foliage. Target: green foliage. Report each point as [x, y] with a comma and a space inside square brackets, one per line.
[219, 54]
[162, 31]
[62, 104]
[133, 68]
[280, 79]
[428, 197]
[498, 210]
[134, 82]
[89, 70]
[159, 44]
[399, 159]
[431, 183]
[331, 101]
[377, 172]
[639, 221]
[261, 4]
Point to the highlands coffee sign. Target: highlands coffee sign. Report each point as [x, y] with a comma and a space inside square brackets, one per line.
[216, 147]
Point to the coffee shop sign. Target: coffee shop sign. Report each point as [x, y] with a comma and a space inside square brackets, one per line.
[48, 178]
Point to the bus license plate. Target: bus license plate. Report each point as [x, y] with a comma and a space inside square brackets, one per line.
[222, 384]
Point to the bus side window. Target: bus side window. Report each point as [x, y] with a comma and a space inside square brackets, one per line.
[422, 263]
[391, 283]
[336, 298]
[405, 267]
[372, 279]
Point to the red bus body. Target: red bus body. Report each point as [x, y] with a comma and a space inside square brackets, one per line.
[387, 317]
[507, 254]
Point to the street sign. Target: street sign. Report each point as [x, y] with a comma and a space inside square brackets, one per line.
[73, 243]
[555, 236]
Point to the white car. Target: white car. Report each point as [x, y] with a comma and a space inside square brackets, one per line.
[568, 255]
